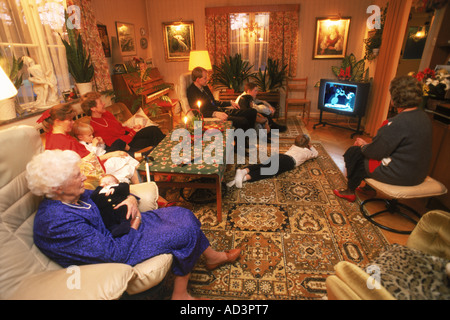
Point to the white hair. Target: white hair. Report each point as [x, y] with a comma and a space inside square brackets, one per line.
[49, 170]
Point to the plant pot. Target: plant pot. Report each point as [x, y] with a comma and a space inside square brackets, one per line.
[8, 109]
[84, 87]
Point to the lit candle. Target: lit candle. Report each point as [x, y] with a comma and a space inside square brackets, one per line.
[185, 121]
[199, 104]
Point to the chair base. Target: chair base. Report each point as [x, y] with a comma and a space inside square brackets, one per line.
[393, 207]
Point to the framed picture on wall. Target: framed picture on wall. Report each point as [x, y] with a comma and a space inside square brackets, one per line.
[330, 41]
[103, 33]
[178, 40]
[126, 35]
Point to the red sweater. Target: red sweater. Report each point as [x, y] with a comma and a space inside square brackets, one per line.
[64, 142]
[61, 141]
[109, 129]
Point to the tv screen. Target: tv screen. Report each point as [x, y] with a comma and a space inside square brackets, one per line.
[343, 97]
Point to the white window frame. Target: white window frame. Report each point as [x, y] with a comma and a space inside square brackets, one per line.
[40, 44]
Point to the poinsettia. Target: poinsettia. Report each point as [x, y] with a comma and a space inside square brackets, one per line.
[434, 84]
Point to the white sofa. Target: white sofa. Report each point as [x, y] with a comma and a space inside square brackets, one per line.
[26, 273]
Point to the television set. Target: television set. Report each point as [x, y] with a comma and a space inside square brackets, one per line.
[343, 97]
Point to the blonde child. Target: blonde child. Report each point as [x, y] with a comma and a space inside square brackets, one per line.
[123, 168]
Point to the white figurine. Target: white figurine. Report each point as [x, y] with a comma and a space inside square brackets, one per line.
[44, 84]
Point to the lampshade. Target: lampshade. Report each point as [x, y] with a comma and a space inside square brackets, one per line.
[199, 58]
[7, 89]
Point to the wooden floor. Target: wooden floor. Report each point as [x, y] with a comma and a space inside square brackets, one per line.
[336, 141]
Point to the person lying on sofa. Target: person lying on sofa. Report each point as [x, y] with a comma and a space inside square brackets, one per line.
[69, 215]
[400, 153]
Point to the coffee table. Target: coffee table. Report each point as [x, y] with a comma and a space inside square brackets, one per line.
[161, 164]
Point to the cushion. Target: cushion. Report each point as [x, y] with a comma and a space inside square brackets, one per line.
[429, 188]
[148, 194]
[149, 273]
[139, 118]
[410, 274]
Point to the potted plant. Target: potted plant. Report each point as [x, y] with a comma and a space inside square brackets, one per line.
[272, 78]
[351, 70]
[231, 73]
[79, 62]
[373, 42]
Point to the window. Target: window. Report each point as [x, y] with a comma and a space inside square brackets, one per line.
[249, 36]
[30, 28]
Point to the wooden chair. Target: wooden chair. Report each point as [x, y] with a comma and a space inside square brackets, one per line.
[297, 85]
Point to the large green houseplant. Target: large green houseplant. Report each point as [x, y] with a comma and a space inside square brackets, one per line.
[231, 73]
[272, 78]
[78, 60]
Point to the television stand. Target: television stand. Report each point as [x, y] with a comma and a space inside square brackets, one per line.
[357, 131]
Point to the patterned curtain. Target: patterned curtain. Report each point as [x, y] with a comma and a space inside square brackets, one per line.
[93, 44]
[283, 33]
[217, 43]
[283, 39]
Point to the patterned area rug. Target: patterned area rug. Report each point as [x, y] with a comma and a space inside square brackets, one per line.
[292, 230]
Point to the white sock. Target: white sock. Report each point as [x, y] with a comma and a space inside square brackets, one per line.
[231, 183]
[240, 176]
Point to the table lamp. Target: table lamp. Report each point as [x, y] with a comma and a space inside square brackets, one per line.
[7, 92]
[199, 58]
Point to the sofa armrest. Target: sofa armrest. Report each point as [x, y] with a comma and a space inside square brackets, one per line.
[106, 281]
[149, 273]
[354, 281]
[432, 234]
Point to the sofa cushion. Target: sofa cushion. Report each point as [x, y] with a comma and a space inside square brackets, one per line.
[149, 273]
[410, 274]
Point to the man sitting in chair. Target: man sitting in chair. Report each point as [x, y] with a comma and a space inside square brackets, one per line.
[198, 91]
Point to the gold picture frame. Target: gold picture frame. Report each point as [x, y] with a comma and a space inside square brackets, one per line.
[126, 36]
[178, 40]
[331, 38]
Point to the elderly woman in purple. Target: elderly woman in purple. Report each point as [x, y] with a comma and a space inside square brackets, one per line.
[68, 227]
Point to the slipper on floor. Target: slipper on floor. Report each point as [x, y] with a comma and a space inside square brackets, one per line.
[350, 198]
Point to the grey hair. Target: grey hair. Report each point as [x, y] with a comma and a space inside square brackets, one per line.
[49, 170]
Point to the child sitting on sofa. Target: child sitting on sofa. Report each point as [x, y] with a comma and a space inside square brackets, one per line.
[107, 196]
[297, 154]
[123, 168]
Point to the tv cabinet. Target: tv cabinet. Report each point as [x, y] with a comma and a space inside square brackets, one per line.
[357, 131]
